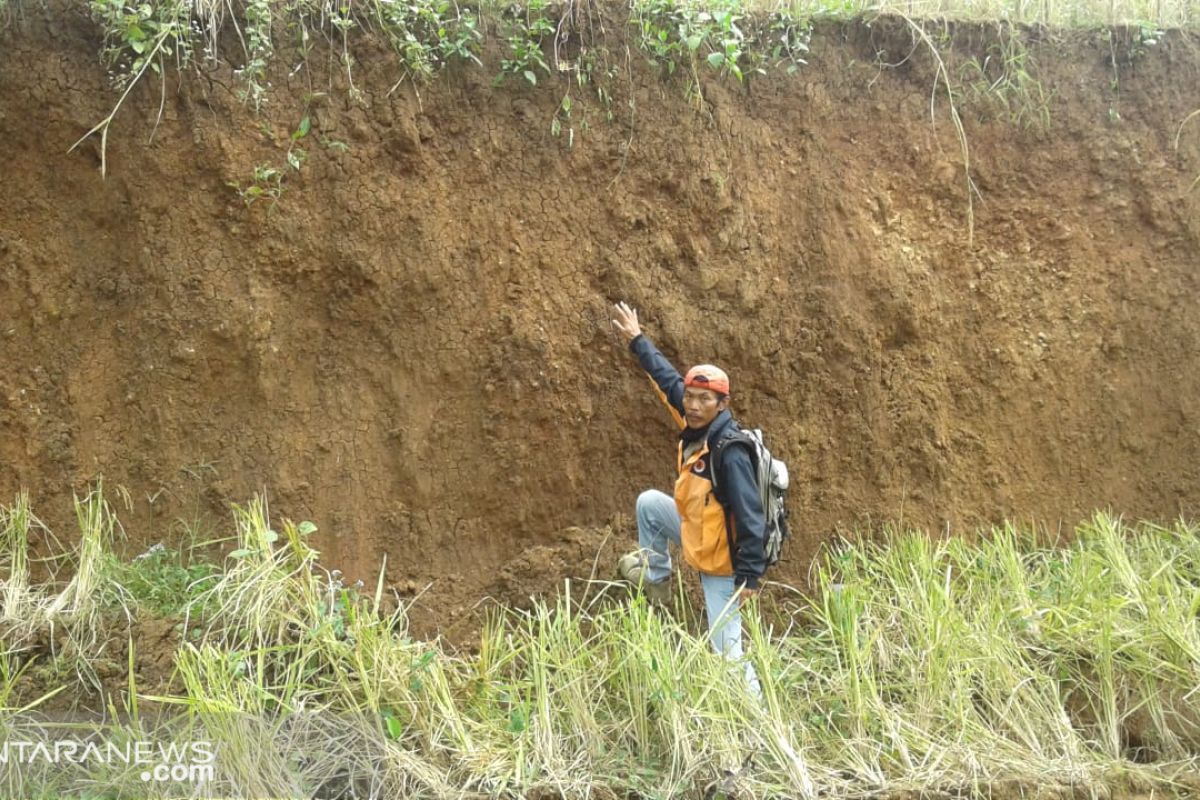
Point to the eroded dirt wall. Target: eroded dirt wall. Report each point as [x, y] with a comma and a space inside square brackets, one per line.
[413, 350]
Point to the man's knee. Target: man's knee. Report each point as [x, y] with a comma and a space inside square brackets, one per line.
[647, 501]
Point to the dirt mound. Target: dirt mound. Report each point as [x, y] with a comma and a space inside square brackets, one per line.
[61, 675]
[412, 347]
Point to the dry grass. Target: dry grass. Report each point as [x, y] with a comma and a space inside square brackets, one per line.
[1080, 13]
[916, 664]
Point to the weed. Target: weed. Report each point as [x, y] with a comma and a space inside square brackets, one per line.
[15, 525]
[98, 528]
[297, 155]
[267, 182]
[138, 38]
[942, 82]
[342, 21]
[679, 33]
[592, 67]
[1005, 82]
[526, 31]
[673, 33]
[428, 35]
[140, 35]
[788, 39]
[1125, 47]
[163, 582]
[1139, 41]
[562, 116]
[259, 49]
[143, 37]
[603, 92]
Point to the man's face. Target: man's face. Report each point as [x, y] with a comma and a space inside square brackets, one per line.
[701, 406]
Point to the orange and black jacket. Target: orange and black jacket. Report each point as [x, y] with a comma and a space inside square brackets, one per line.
[721, 535]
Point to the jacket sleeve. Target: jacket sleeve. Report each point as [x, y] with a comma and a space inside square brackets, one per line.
[668, 383]
[744, 506]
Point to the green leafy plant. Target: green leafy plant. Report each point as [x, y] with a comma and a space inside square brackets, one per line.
[297, 155]
[141, 35]
[164, 582]
[590, 76]
[259, 50]
[1141, 38]
[602, 81]
[526, 30]
[1126, 46]
[562, 116]
[788, 37]
[677, 33]
[428, 35]
[268, 182]
[137, 37]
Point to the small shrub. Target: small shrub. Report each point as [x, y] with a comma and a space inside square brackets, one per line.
[259, 49]
[265, 182]
[678, 33]
[163, 582]
[141, 35]
[527, 29]
[268, 181]
[428, 35]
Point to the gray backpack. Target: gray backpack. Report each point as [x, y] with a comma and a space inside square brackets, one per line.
[771, 476]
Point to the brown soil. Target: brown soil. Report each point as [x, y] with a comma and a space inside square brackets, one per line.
[413, 348]
[53, 662]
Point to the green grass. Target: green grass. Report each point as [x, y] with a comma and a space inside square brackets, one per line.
[165, 582]
[916, 663]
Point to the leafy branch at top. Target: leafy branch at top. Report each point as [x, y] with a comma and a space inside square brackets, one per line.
[678, 33]
[527, 28]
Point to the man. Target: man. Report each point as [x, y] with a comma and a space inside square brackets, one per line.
[721, 532]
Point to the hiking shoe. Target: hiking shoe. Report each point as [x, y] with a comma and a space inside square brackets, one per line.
[632, 567]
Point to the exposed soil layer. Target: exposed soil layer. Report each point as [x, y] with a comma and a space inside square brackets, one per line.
[412, 348]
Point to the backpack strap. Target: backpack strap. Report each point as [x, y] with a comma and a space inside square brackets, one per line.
[736, 436]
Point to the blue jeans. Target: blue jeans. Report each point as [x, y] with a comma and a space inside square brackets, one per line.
[658, 525]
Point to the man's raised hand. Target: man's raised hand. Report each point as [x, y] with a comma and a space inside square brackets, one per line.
[627, 321]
